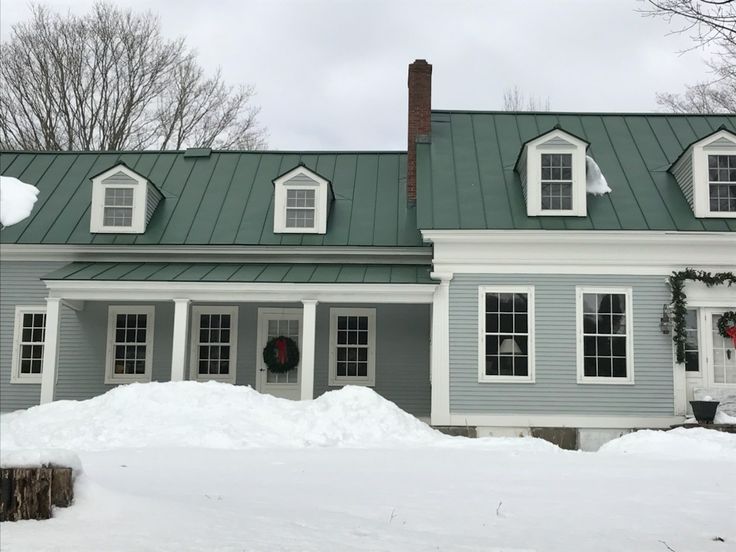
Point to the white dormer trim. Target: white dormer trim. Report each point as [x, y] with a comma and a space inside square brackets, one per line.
[140, 197]
[722, 142]
[557, 141]
[292, 181]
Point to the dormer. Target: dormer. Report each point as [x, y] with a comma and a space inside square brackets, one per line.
[706, 173]
[123, 201]
[552, 171]
[302, 200]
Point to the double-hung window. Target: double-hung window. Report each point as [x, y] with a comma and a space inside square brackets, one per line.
[300, 207]
[129, 344]
[118, 208]
[604, 326]
[506, 340]
[556, 181]
[28, 340]
[722, 183]
[214, 343]
[352, 346]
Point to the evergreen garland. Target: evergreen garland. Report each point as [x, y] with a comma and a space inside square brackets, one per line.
[679, 300]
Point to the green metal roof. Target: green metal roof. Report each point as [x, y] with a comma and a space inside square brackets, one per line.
[302, 273]
[466, 177]
[225, 198]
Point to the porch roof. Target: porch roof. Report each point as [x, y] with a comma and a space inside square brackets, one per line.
[301, 273]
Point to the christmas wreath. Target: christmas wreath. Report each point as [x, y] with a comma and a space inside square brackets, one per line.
[727, 326]
[281, 354]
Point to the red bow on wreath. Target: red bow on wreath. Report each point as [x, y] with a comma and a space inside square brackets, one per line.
[731, 332]
[281, 350]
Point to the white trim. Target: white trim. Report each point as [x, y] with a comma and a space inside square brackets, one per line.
[113, 310]
[370, 379]
[562, 420]
[534, 151]
[97, 208]
[701, 188]
[578, 252]
[15, 374]
[215, 253]
[482, 377]
[246, 292]
[50, 350]
[321, 189]
[197, 311]
[709, 374]
[440, 351]
[629, 314]
[308, 335]
[179, 334]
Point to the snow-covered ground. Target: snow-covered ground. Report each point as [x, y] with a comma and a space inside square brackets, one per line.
[185, 466]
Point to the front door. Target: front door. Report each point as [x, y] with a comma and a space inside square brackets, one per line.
[275, 322]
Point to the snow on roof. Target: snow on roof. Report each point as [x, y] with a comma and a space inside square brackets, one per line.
[16, 200]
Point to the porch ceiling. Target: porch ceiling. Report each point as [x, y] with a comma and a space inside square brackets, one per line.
[300, 273]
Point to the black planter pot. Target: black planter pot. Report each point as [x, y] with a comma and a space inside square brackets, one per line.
[704, 411]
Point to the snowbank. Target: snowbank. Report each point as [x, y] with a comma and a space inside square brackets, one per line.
[32, 458]
[16, 200]
[213, 415]
[695, 443]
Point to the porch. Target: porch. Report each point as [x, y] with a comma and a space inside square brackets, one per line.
[115, 323]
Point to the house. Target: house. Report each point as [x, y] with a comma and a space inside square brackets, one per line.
[474, 280]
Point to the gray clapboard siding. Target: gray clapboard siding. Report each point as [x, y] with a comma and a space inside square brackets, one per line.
[301, 179]
[522, 173]
[152, 200]
[556, 390]
[20, 284]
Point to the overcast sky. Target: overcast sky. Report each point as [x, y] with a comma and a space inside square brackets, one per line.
[331, 74]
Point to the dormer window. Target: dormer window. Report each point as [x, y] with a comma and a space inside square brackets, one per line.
[300, 208]
[706, 173]
[552, 172]
[722, 183]
[556, 181]
[123, 201]
[302, 200]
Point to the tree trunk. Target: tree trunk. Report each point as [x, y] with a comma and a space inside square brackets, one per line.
[30, 493]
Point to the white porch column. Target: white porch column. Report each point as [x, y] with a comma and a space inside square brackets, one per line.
[309, 334]
[440, 353]
[180, 343]
[50, 349]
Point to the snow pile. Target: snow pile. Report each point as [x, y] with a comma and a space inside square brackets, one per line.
[16, 200]
[213, 415]
[695, 443]
[32, 458]
[724, 418]
[595, 182]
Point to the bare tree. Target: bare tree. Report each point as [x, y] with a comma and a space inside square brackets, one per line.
[109, 80]
[709, 23]
[515, 100]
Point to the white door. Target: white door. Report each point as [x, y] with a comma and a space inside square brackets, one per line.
[721, 356]
[273, 322]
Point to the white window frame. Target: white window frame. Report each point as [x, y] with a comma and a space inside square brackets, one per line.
[715, 144]
[531, 347]
[15, 375]
[370, 379]
[140, 198]
[197, 311]
[321, 199]
[550, 143]
[112, 312]
[627, 292]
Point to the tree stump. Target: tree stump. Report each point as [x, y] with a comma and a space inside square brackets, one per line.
[31, 493]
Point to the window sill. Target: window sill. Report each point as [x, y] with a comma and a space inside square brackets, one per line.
[506, 379]
[221, 379]
[342, 382]
[123, 380]
[27, 380]
[606, 381]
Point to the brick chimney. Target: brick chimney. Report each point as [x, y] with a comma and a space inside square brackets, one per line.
[420, 106]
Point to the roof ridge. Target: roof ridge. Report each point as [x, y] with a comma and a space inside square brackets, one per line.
[581, 113]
